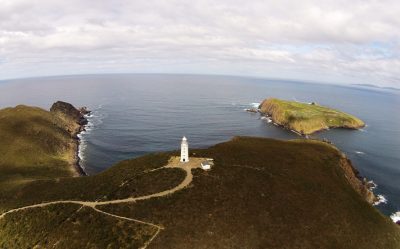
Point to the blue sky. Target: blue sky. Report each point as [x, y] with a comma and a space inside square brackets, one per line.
[326, 41]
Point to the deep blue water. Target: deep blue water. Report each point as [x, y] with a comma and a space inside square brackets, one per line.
[137, 114]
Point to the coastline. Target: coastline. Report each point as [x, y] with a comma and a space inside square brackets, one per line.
[82, 127]
[277, 109]
[270, 117]
[287, 127]
[77, 169]
[360, 184]
[76, 162]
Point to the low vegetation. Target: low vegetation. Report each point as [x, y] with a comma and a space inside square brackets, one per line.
[70, 226]
[261, 193]
[126, 179]
[32, 146]
[307, 118]
[265, 193]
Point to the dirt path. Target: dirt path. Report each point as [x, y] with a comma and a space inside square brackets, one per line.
[173, 163]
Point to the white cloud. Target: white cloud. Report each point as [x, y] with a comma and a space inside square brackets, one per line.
[345, 41]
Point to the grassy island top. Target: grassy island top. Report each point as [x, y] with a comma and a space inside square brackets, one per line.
[307, 118]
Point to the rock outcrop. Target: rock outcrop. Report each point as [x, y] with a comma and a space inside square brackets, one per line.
[74, 119]
[70, 111]
[353, 176]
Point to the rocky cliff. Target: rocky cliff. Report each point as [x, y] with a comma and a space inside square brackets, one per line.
[73, 118]
[353, 177]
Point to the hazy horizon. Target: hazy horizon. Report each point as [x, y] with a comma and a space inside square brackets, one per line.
[10, 80]
[337, 42]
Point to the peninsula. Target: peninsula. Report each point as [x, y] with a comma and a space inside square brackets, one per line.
[259, 193]
[306, 119]
[39, 144]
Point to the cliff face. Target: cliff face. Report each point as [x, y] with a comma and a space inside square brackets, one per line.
[307, 118]
[38, 144]
[353, 177]
[73, 118]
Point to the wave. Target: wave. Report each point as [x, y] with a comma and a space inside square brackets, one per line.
[371, 185]
[269, 120]
[395, 217]
[381, 199]
[95, 118]
[255, 105]
[298, 133]
[359, 152]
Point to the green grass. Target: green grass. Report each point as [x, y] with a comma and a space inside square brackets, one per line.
[261, 193]
[265, 193]
[33, 146]
[126, 179]
[28, 228]
[306, 118]
[69, 226]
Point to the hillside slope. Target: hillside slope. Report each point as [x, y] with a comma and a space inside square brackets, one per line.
[307, 118]
[261, 193]
[36, 144]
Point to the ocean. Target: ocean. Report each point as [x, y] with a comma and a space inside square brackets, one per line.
[137, 114]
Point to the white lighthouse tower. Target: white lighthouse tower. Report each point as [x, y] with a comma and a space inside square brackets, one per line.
[184, 150]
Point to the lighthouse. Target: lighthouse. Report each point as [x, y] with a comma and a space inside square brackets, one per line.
[184, 150]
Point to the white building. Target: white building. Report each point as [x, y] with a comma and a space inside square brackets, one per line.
[206, 165]
[184, 150]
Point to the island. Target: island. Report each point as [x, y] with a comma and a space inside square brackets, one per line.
[259, 193]
[304, 118]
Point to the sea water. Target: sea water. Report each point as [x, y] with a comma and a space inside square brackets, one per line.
[137, 114]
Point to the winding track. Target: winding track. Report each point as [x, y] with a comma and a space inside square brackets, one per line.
[173, 163]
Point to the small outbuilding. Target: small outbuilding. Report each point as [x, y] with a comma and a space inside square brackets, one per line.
[206, 165]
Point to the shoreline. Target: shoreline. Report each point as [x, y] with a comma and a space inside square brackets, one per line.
[359, 183]
[79, 170]
[314, 121]
[77, 167]
[286, 127]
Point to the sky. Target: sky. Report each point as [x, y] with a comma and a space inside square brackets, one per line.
[334, 41]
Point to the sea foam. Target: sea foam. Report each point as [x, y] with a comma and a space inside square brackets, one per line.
[255, 105]
[94, 119]
[381, 199]
[395, 217]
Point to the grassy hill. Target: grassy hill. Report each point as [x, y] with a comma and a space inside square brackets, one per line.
[33, 145]
[265, 193]
[307, 118]
[261, 193]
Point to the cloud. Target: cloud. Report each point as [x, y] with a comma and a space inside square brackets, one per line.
[345, 42]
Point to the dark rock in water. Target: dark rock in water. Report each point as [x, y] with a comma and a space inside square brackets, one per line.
[252, 110]
[84, 110]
